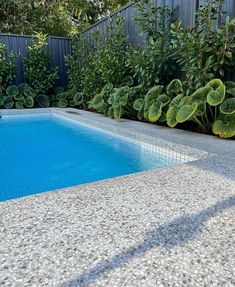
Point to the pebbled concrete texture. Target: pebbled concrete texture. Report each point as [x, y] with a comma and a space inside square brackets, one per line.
[168, 227]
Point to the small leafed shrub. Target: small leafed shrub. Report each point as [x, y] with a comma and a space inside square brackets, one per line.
[7, 68]
[38, 72]
[206, 50]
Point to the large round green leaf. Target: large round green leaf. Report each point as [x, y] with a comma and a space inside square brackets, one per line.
[123, 100]
[29, 102]
[155, 111]
[43, 101]
[138, 104]
[231, 92]
[187, 100]
[78, 99]
[139, 88]
[117, 113]
[62, 96]
[228, 106]
[147, 105]
[224, 126]
[176, 100]
[19, 97]
[171, 116]
[164, 99]
[214, 84]
[230, 85]
[200, 94]
[216, 97]
[19, 104]
[98, 101]
[12, 91]
[28, 91]
[174, 88]
[201, 109]
[62, 103]
[8, 102]
[107, 88]
[153, 93]
[186, 112]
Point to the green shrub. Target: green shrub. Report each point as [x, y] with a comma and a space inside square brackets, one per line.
[116, 102]
[152, 63]
[206, 50]
[22, 96]
[98, 60]
[38, 72]
[209, 107]
[7, 68]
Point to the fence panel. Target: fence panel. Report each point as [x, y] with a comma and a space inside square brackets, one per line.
[59, 48]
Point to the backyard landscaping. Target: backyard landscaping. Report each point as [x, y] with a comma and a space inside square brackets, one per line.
[177, 76]
[117, 151]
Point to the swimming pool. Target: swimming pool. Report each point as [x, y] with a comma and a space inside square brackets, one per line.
[45, 152]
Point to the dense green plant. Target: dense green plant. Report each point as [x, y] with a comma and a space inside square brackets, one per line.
[22, 96]
[38, 72]
[152, 62]
[61, 18]
[7, 67]
[83, 74]
[110, 59]
[98, 60]
[63, 99]
[210, 107]
[154, 105]
[206, 50]
[117, 102]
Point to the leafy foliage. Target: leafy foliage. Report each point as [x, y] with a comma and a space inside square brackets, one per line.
[99, 60]
[22, 96]
[206, 50]
[152, 63]
[7, 68]
[38, 72]
[60, 18]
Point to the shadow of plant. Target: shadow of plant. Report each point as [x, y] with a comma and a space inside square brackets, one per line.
[175, 233]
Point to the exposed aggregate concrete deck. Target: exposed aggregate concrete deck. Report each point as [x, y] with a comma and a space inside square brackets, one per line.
[169, 227]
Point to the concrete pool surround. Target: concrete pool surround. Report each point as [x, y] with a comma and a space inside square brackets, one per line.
[168, 227]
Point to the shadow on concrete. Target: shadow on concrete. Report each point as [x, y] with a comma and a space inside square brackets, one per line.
[223, 165]
[175, 233]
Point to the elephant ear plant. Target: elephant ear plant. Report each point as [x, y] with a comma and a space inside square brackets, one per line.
[100, 101]
[117, 102]
[154, 105]
[208, 107]
[18, 96]
[121, 101]
[63, 99]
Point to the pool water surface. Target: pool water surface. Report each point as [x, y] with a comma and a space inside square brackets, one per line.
[46, 152]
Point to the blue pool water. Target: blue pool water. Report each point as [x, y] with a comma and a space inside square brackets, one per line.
[46, 152]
